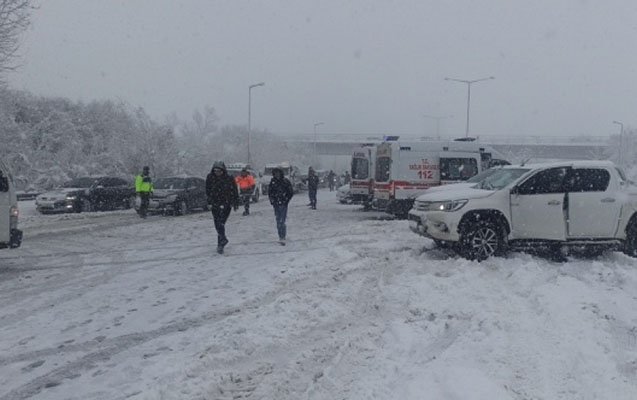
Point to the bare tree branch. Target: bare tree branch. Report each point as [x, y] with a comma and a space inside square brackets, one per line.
[14, 19]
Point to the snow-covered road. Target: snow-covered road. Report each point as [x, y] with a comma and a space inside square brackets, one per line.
[107, 306]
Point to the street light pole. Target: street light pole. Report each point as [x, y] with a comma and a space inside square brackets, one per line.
[314, 152]
[250, 118]
[469, 94]
[621, 142]
[437, 118]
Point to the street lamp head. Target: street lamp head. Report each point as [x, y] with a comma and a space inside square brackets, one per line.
[257, 84]
[319, 123]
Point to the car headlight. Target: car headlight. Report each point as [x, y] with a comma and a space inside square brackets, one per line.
[71, 197]
[451, 205]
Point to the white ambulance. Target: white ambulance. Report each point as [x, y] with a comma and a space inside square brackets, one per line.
[404, 170]
[10, 235]
[362, 173]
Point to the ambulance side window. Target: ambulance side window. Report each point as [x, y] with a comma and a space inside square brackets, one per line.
[457, 169]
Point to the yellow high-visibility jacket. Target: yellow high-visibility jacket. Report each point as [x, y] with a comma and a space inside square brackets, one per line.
[143, 184]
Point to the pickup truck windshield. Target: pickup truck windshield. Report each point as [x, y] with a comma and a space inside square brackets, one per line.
[481, 176]
[501, 178]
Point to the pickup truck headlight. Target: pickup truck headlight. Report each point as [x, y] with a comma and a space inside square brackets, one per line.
[451, 205]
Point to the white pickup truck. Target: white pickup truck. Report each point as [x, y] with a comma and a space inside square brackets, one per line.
[587, 206]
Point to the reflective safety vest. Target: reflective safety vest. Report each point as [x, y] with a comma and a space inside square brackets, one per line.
[143, 184]
[245, 183]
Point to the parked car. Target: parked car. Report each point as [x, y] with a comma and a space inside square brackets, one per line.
[178, 195]
[88, 194]
[10, 235]
[344, 194]
[583, 206]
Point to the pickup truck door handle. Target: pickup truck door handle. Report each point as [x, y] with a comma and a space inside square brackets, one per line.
[554, 203]
[608, 200]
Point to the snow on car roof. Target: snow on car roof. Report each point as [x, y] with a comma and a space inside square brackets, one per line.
[571, 163]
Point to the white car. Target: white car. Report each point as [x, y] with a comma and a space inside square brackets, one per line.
[580, 204]
[344, 194]
[10, 235]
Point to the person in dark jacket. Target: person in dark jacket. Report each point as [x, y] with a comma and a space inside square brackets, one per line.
[223, 195]
[331, 180]
[280, 193]
[312, 187]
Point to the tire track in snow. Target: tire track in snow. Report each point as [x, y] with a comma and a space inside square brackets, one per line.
[110, 347]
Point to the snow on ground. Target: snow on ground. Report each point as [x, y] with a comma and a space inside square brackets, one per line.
[108, 306]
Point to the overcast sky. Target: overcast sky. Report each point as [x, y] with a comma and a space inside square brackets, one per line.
[561, 67]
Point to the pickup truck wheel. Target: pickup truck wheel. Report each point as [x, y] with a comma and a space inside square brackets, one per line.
[481, 241]
[181, 208]
[630, 245]
[86, 206]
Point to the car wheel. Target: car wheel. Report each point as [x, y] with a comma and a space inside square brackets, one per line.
[181, 208]
[85, 206]
[630, 245]
[481, 241]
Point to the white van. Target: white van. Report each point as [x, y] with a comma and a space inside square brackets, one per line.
[289, 171]
[404, 170]
[10, 235]
[362, 173]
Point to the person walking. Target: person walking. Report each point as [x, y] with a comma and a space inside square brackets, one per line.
[347, 178]
[312, 187]
[144, 188]
[280, 193]
[246, 184]
[223, 195]
[331, 180]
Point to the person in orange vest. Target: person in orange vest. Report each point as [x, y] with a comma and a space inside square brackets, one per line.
[246, 185]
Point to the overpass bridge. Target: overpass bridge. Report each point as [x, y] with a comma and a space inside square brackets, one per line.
[514, 148]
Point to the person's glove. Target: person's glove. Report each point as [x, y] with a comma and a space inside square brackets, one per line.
[236, 207]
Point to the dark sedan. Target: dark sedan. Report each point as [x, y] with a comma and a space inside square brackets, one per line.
[178, 195]
[88, 194]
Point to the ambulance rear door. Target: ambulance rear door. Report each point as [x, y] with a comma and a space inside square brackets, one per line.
[458, 166]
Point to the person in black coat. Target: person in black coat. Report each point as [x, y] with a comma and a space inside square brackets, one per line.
[223, 195]
[312, 187]
[280, 193]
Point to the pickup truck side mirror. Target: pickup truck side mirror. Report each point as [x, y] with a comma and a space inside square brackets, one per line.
[4, 184]
[515, 190]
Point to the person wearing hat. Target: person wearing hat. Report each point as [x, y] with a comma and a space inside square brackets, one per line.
[246, 184]
[222, 194]
[144, 188]
[280, 193]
